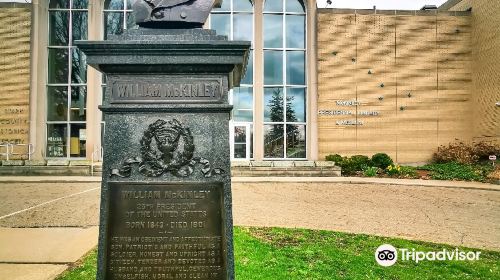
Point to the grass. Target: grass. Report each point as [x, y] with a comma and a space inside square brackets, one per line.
[275, 253]
[85, 269]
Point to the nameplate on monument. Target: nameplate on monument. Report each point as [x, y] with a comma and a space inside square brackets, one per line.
[165, 231]
[170, 89]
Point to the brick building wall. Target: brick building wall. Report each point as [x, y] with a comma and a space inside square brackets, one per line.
[397, 82]
[486, 68]
[15, 25]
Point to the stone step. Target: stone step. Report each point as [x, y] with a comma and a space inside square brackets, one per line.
[44, 171]
[285, 169]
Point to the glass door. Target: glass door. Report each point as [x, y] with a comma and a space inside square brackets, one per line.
[241, 141]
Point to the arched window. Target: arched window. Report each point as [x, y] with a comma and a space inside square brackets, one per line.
[284, 79]
[118, 16]
[66, 79]
[235, 20]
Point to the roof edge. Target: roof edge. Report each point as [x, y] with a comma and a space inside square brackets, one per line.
[394, 12]
[449, 4]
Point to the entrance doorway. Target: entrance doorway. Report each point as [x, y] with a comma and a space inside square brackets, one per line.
[241, 141]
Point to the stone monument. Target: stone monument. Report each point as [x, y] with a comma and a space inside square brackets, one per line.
[166, 189]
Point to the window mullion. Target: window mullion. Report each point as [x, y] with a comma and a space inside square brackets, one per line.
[70, 70]
[284, 56]
[124, 24]
[231, 25]
[247, 141]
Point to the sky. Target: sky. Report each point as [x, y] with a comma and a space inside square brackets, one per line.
[381, 4]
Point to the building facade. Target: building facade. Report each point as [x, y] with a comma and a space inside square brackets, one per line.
[318, 82]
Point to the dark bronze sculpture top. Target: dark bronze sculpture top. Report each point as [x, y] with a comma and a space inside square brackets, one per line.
[173, 13]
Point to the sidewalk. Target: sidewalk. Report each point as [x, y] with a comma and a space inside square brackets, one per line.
[42, 253]
[46, 227]
[345, 180]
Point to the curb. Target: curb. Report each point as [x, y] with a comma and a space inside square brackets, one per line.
[363, 180]
[345, 180]
[50, 179]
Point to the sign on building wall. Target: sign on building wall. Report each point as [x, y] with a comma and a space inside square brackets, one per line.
[14, 73]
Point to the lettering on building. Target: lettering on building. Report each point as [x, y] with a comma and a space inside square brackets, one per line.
[354, 112]
[368, 113]
[349, 122]
[347, 103]
[334, 112]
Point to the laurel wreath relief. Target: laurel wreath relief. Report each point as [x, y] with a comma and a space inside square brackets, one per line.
[167, 147]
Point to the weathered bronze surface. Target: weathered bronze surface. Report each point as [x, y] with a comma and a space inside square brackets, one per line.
[167, 147]
[165, 231]
[166, 89]
[173, 13]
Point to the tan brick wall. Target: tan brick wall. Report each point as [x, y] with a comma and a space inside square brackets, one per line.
[15, 21]
[486, 68]
[424, 65]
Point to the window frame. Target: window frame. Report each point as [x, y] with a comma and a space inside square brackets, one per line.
[284, 49]
[69, 47]
[124, 12]
[250, 152]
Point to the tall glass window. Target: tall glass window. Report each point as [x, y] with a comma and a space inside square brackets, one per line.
[284, 79]
[235, 20]
[118, 16]
[67, 80]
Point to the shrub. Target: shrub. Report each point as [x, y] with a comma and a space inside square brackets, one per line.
[370, 171]
[361, 160]
[355, 163]
[393, 170]
[350, 165]
[466, 153]
[335, 158]
[381, 160]
[485, 149]
[408, 172]
[455, 152]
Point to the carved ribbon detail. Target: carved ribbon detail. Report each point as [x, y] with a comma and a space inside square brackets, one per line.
[167, 147]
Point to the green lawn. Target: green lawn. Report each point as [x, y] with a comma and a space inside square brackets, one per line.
[274, 253]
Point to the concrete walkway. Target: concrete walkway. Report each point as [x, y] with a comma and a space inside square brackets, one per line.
[42, 253]
[45, 245]
[45, 227]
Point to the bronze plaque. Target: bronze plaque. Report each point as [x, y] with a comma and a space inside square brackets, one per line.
[165, 231]
[166, 90]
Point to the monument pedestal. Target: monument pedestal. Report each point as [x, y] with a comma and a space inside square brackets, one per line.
[166, 189]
